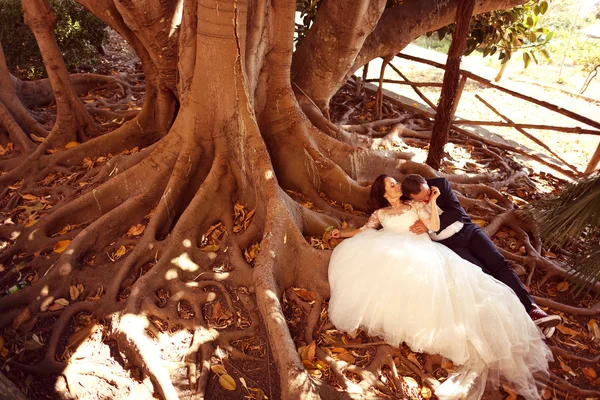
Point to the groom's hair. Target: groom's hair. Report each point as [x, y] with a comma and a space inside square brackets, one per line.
[412, 184]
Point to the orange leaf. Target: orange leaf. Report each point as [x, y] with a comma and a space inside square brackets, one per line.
[567, 331]
[349, 358]
[23, 316]
[563, 286]
[29, 197]
[311, 351]
[61, 246]
[70, 145]
[136, 230]
[81, 335]
[589, 372]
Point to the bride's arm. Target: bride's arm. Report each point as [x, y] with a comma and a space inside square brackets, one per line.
[372, 223]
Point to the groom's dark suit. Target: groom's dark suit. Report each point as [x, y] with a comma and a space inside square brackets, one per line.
[472, 244]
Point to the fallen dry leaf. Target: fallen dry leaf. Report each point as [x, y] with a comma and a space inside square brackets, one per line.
[70, 145]
[227, 382]
[593, 328]
[305, 295]
[415, 361]
[61, 246]
[566, 331]
[1, 342]
[321, 365]
[311, 350]
[73, 292]
[589, 372]
[119, 253]
[81, 335]
[480, 222]
[566, 368]
[23, 316]
[29, 197]
[349, 358]
[563, 286]
[136, 230]
[218, 369]
[210, 248]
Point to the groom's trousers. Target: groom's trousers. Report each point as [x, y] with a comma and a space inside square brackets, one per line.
[472, 244]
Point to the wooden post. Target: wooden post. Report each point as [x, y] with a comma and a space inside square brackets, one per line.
[444, 115]
[594, 161]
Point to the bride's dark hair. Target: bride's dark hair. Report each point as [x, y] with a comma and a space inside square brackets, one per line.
[376, 199]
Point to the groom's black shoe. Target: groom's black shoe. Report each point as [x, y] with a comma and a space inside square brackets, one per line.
[542, 319]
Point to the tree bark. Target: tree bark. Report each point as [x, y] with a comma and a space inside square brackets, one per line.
[73, 122]
[9, 98]
[332, 44]
[448, 97]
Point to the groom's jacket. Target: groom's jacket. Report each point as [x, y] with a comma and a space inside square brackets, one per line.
[448, 202]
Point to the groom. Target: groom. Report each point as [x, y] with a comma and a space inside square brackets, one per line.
[465, 238]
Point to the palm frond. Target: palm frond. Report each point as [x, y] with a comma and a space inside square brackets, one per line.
[574, 211]
[574, 216]
[586, 270]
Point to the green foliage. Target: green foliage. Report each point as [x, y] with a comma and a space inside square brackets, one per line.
[497, 32]
[571, 216]
[78, 32]
[566, 18]
[506, 31]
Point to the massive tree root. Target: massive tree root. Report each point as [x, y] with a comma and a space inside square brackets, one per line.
[193, 232]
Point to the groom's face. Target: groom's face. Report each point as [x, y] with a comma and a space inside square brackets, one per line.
[423, 195]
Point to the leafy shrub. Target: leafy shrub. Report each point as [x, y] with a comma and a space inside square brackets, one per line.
[78, 32]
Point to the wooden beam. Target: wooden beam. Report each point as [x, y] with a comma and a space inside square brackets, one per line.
[595, 160]
[568, 129]
[472, 135]
[406, 82]
[415, 88]
[526, 134]
[477, 78]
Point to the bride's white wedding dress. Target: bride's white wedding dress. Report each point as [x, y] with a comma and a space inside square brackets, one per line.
[407, 288]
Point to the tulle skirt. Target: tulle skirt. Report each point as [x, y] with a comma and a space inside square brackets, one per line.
[406, 288]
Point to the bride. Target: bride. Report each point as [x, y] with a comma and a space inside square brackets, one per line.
[406, 288]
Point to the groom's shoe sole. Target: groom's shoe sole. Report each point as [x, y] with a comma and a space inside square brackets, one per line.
[548, 322]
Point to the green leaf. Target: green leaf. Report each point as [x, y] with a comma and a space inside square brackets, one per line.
[526, 59]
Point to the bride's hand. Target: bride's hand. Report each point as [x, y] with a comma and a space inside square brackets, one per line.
[435, 193]
[335, 233]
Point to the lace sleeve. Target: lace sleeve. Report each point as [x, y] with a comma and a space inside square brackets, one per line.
[423, 212]
[372, 223]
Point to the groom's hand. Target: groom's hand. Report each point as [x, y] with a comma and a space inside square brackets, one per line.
[418, 228]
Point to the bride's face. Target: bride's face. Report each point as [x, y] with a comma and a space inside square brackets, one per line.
[392, 189]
